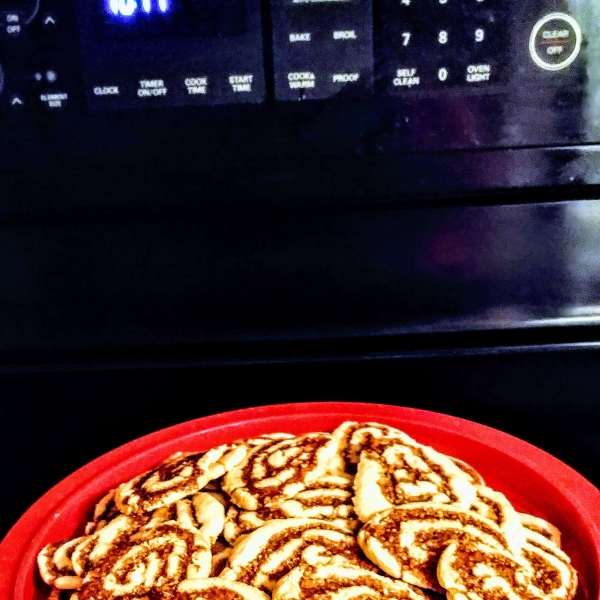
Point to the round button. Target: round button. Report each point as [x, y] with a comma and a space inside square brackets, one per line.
[555, 41]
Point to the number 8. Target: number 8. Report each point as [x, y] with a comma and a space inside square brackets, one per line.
[443, 37]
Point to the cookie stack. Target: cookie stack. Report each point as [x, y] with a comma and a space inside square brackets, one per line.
[362, 513]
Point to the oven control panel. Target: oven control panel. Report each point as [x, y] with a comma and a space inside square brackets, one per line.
[135, 54]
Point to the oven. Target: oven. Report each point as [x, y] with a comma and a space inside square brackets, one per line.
[212, 205]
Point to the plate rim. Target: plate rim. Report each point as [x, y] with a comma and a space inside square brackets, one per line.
[15, 545]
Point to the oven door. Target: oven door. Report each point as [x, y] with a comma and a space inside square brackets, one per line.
[114, 330]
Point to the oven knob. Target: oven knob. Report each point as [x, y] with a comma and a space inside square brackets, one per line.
[555, 41]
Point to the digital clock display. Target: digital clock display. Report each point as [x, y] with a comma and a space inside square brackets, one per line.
[172, 18]
[128, 8]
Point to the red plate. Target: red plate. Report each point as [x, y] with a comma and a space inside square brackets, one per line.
[534, 481]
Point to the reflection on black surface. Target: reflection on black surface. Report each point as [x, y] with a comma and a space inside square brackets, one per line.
[289, 275]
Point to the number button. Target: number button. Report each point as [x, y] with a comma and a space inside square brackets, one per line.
[484, 37]
[443, 37]
[446, 73]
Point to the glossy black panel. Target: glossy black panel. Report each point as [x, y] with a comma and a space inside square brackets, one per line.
[529, 127]
[230, 278]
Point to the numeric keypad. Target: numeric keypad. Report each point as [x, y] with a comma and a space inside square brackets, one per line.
[433, 44]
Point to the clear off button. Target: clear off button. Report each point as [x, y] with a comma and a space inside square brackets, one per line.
[555, 42]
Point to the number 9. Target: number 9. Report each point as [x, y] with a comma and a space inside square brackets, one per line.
[479, 35]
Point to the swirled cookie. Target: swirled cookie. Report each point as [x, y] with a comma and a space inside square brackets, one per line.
[475, 571]
[472, 475]
[495, 507]
[391, 473]
[542, 527]
[217, 588]
[280, 469]
[96, 546]
[352, 437]
[179, 476]
[407, 541]
[329, 499]
[104, 512]
[56, 566]
[553, 577]
[203, 514]
[479, 571]
[153, 560]
[336, 582]
[264, 556]
[543, 543]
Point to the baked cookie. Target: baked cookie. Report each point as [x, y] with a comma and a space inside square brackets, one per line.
[351, 438]
[496, 507]
[472, 475]
[552, 576]
[179, 476]
[391, 473]
[407, 541]
[340, 581]
[329, 499]
[96, 546]
[475, 571]
[56, 566]
[543, 543]
[280, 469]
[264, 556]
[204, 514]
[152, 561]
[104, 512]
[213, 588]
[542, 527]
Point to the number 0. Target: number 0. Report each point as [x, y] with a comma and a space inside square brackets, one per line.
[443, 74]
